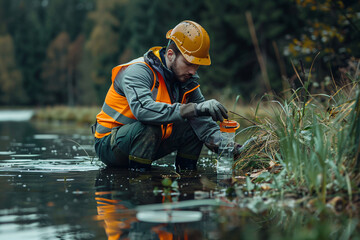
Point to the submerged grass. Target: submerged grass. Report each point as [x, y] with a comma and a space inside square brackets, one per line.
[315, 138]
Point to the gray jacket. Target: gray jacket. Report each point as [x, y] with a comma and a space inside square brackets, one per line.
[135, 83]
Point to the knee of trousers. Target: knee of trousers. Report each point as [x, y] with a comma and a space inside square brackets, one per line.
[145, 141]
[136, 132]
[152, 132]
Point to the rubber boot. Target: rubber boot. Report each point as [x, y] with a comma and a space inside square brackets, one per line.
[139, 164]
[185, 163]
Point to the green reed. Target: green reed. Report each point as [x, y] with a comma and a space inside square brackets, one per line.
[315, 138]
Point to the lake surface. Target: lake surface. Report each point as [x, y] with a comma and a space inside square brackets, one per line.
[53, 187]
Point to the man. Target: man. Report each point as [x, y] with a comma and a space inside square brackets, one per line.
[154, 105]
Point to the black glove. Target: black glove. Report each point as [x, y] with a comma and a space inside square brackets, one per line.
[211, 108]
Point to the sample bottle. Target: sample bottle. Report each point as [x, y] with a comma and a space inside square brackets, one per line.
[225, 159]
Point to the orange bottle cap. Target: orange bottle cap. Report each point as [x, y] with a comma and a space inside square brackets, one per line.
[229, 126]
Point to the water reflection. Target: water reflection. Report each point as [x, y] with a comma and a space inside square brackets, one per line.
[121, 195]
[46, 181]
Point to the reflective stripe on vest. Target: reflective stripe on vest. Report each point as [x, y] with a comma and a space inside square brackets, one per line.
[116, 110]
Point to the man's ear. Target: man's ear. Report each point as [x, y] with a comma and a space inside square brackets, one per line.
[171, 55]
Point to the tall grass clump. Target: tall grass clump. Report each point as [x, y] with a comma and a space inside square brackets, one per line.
[316, 140]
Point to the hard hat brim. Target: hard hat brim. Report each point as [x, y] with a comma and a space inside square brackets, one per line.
[198, 61]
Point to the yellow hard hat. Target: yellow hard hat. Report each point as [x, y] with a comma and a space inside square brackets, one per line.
[193, 42]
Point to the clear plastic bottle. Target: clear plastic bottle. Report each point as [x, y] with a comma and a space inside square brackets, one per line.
[225, 159]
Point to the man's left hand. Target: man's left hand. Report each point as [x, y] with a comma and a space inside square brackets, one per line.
[212, 108]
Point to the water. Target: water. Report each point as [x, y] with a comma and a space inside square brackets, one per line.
[54, 188]
[16, 115]
[224, 165]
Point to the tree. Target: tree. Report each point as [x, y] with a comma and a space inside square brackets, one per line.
[65, 16]
[149, 21]
[33, 25]
[330, 28]
[102, 44]
[112, 32]
[11, 85]
[235, 67]
[25, 26]
[55, 70]
[75, 53]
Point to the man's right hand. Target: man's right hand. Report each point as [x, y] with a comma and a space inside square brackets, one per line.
[212, 108]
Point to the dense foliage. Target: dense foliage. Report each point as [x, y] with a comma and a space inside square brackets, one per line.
[62, 51]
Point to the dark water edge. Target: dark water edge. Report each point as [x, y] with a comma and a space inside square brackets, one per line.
[53, 187]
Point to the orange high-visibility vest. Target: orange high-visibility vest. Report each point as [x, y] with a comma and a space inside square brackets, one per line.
[116, 110]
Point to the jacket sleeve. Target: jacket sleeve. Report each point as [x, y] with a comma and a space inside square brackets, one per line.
[135, 83]
[206, 129]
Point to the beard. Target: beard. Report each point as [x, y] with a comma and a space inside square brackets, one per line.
[179, 77]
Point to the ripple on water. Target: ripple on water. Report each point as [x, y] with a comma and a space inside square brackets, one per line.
[5, 153]
[46, 136]
[65, 179]
[24, 155]
[47, 165]
[17, 160]
[83, 157]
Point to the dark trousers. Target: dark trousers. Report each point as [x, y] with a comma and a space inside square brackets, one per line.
[138, 145]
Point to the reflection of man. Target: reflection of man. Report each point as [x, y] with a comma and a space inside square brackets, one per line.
[116, 213]
[154, 105]
[114, 224]
[116, 195]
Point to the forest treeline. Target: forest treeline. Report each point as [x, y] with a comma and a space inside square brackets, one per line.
[61, 52]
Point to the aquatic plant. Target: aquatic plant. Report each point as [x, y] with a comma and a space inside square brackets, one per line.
[314, 137]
